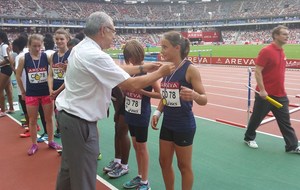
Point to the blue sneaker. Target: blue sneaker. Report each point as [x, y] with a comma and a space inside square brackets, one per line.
[111, 166]
[57, 135]
[118, 172]
[135, 182]
[144, 186]
[43, 137]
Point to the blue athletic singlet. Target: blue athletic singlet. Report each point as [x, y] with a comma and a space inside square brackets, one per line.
[178, 115]
[58, 74]
[137, 108]
[36, 75]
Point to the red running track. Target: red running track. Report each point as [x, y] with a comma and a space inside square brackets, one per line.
[22, 172]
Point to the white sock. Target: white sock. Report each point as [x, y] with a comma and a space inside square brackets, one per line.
[144, 182]
[118, 160]
[125, 166]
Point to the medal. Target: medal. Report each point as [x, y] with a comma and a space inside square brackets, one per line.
[164, 101]
[60, 75]
[37, 77]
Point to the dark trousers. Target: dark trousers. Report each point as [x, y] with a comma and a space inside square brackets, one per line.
[80, 143]
[261, 109]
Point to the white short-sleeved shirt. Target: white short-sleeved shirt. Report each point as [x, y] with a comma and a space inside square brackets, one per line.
[49, 52]
[3, 52]
[89, 79]
[23, 77]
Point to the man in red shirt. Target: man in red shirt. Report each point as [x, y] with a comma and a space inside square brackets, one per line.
[269, 75]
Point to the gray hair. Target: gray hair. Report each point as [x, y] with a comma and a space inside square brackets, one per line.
[95, 21]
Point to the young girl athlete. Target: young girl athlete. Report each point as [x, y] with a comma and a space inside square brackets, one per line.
[58, 61]
[137, 116]
[36, 65]
[178, 91]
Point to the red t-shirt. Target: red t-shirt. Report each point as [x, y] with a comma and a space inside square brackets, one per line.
[273, 60]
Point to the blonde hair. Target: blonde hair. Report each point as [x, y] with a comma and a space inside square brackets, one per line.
[32, 37]
[63, 32]
[133, 50]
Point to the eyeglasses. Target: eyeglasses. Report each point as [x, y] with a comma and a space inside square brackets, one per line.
[111, 29]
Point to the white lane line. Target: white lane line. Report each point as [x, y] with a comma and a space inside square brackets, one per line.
[222, 81]
[227, 107]
[110, 186]
[228, 96]
[273, 118]
[297, 120]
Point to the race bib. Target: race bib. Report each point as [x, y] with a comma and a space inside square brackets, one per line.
[37, 75]
[170, 94]
[133, 103]
[58, 73]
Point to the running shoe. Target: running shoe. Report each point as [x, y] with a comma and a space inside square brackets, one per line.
[33, 149]
[42, 138]
[54, 145]
[25, 134]
[59, 152]
[295, 151]
[111, 166]
[24, 125]
[57, 135]
[2, 114]
[252, 144]
[10, 111]
[135, 182]
[144, 186]
[118, 172]
[100, 156]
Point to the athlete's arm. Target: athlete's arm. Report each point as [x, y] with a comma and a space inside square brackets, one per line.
[19, 76]
[260, 81]
[50, 74]
[196, 94]
[153, 94]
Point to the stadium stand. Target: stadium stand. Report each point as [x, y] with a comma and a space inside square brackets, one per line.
[240, 21]
[151, 12]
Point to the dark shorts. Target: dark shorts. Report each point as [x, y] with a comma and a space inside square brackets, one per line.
[6, 70]
[139, 132]
[180, 138]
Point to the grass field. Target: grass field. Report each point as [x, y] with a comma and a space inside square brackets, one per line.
[241, 51]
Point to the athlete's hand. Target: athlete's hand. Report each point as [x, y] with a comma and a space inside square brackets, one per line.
[263, 94]
[186, 94]
[154, 122]
[150, 67]
[53, 94]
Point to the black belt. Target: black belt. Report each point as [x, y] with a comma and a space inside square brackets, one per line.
[74, 116]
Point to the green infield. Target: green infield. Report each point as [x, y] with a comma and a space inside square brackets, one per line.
[292, 51]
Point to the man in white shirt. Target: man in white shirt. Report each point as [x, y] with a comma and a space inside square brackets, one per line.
[89, 79]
